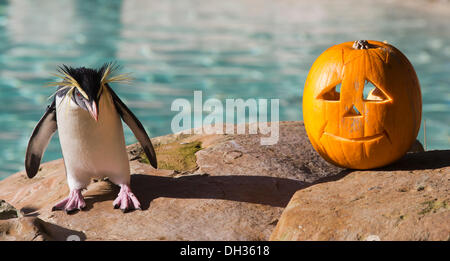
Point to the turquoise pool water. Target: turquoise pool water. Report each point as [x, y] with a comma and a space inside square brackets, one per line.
[227, 49]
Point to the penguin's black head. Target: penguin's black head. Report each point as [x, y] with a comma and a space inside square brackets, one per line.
[85, 85]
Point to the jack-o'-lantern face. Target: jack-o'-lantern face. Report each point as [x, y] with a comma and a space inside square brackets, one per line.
[362, 104]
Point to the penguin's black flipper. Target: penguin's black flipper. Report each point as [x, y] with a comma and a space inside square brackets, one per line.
[135, 126]
[39, 140]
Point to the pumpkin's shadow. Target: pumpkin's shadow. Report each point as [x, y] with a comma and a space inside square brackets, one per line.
[421, 161]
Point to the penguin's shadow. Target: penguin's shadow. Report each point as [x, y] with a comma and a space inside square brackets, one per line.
[264, 190]
[253, 189]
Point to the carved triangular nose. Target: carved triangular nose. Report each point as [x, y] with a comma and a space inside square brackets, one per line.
[353, 112]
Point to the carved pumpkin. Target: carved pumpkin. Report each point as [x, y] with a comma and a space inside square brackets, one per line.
[353, 131]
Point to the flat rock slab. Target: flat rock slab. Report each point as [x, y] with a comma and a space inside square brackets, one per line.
[408, 200]
[237, 192]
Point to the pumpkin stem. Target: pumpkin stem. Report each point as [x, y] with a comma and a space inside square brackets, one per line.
[361, 44]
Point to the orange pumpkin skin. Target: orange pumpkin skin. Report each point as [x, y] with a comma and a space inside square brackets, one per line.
[385, 123]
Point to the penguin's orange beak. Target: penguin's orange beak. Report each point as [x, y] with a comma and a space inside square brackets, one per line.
[93, 110]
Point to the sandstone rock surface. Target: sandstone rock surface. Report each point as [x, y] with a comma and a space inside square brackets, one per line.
[233, 188]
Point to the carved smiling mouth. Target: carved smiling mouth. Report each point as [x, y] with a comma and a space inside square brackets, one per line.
[368, 138]
[359, 139]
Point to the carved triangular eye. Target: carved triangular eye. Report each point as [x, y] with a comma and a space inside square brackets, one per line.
[373, 93]
[331, 94]
[376, 95]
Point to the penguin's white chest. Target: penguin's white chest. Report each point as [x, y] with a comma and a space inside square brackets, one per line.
[90, 148]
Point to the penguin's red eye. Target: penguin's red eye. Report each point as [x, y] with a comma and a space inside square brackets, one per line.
[78, 94]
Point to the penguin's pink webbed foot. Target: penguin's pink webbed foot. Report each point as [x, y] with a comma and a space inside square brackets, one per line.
[74, 201]
[126, 200]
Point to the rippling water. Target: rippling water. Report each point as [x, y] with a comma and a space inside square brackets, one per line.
[227, 49]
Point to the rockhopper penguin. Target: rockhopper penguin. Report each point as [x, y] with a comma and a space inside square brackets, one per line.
[87, 112]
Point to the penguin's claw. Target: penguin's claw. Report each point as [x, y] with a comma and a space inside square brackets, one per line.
[72, 203]
[126, 200]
